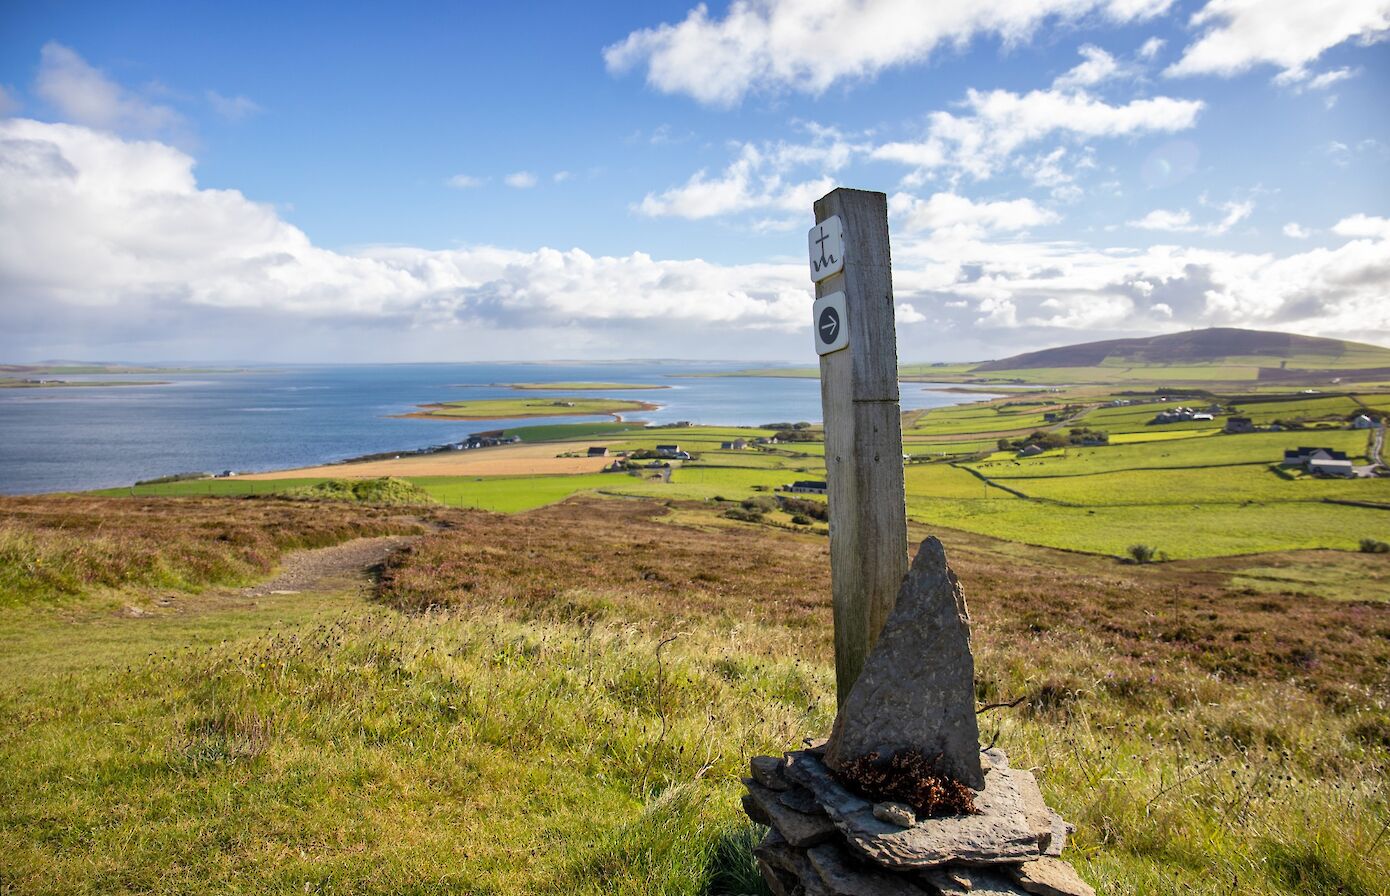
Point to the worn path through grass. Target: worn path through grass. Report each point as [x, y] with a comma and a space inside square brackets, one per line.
[562, 701]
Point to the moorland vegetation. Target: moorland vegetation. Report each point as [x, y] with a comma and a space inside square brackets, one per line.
[563, 700]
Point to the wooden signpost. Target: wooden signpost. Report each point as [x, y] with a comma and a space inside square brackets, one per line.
[855, 336]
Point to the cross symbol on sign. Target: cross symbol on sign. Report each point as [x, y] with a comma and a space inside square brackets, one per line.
[826, 244]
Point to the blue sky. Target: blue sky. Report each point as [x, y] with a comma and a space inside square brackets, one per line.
[434, 182]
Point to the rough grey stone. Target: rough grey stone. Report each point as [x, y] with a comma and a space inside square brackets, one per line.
[917, 689]
[1050, 877]
[986, 882]
[800, 799]
[778, 881]
[844, 876]
[767, 771]
[994, 757]
[755, 811]
[946, 881]
[999, 834]
[800, 828]
[772, 864]
[1040, 817]
[899, 814]
[780, 856]
[1061, 830]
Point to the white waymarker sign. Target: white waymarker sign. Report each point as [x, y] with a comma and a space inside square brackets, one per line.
[826, 243]
[831, 323]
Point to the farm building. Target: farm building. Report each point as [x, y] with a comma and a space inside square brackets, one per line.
[673, 451]
[598, 451]
[1363, 422]
[1330, 467]
[735, 445]
[806, 487]
[1239, 424]
[490, 439]
[1030, 450]
[1181, 415]
[1323, 461]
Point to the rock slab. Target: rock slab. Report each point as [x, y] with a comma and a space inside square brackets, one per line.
[826, 840]
[1000, 833]
[1050, 877]
[917, 688]
[800, 829]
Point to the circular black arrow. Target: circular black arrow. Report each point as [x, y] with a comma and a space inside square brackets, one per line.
[828, 325]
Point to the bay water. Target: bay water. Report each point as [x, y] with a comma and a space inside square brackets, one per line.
[264, 418]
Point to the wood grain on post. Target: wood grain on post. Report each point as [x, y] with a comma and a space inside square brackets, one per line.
[863, 435]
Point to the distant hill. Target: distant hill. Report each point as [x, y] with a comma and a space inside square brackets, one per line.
[1215, 346]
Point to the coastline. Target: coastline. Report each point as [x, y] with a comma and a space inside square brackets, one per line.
[72, 384]
[426, 414]
[580, 387]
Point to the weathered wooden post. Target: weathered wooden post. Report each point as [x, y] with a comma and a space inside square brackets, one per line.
[906, 723]
[857, 342]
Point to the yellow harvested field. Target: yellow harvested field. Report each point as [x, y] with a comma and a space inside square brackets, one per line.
[505, 460]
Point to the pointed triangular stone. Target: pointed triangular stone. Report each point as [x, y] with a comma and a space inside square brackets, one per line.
[917, 690]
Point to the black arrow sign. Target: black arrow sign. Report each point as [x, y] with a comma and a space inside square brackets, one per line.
[828, 325]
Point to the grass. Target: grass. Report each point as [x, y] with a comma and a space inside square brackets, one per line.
[1179, 530]
[563, 702]
[516, 408]
[386, 490]
[580, 386]
[1189, 490]
[1251, 484]
[58, 548]
[1209, 452]
[564, 432]
[509, 494]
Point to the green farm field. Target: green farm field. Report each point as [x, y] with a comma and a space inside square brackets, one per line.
[1199, 451]
[1188, 493]
[581, 386]
[563, 700]
[516, 408]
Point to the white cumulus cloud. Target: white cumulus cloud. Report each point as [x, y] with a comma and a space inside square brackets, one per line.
[521, 180]
[909, 315]
[1181, 221]
[762, 177]
[1238, 35]
[111, 241]
[807, 46]
[1097, 66]
[997, 123]
[949, 211]
[90, 220]
[85, 95]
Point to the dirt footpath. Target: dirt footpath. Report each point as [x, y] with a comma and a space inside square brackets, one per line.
[328, 569]
[505, 460]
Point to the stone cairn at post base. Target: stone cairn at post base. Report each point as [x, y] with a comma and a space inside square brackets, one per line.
[916, 692]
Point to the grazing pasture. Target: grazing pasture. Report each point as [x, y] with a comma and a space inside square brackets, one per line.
[562, 701]
[514, 408]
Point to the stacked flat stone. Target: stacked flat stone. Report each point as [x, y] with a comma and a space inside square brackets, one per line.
[822, 839]
[916, 691]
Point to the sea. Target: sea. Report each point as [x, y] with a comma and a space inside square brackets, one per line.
[74, 438]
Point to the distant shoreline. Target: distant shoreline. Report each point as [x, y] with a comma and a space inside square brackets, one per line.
[599, 408]
[59, 384]
[579, 387]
